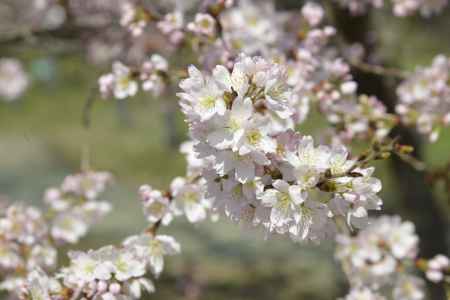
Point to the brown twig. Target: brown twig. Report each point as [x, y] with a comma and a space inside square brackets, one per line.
[87, 108]
[379, 70]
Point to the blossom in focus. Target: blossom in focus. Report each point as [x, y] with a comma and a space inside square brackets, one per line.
[152, 249]
[156, 205]
[108, 272]
[189, 199]
[254, 168]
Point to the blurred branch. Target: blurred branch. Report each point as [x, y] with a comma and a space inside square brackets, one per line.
[379, 70]
[66, 32]
[87, 108]
[441, 174]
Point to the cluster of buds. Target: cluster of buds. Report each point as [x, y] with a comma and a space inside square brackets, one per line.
[25, 244]
[382, 257]
[400, 8]
[13, 79]
[123, 82]
[256, 168]
[436, 269]
[74, 206]
[424, 98]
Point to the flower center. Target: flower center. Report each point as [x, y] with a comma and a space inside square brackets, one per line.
[283, 200]
[254, 137]
[190, 197]
[207, 102]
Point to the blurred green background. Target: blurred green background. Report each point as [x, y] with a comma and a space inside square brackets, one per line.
[42, 137]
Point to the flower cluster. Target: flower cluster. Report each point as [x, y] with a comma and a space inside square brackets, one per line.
[134, 18]
[424, 98]
[252, 27]
[13, 79]
[382, 256]
[401, 8]
[172, 25]
[116, 272]
[322, 80]
[203, 24]
[123, 82]
[25, 244]
[28, 237]
[184, 198]
[108, 273]
[331, 86]
[74, 206]
[438, 269]
[256, 168]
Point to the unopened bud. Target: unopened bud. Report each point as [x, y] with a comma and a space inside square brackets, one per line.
[383, 155]
[114, 288]
[405, 149]
[102, 286]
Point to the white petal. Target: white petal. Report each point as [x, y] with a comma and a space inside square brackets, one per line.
[169, 244]
[223, 78]
[157, 264]
[269, 197]
[295, 192]
[245, 171]
[195, 212]
[242, 109]
[220, 139]
[281, 185]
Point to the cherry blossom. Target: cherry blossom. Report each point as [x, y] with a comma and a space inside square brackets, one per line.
[13, 79]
